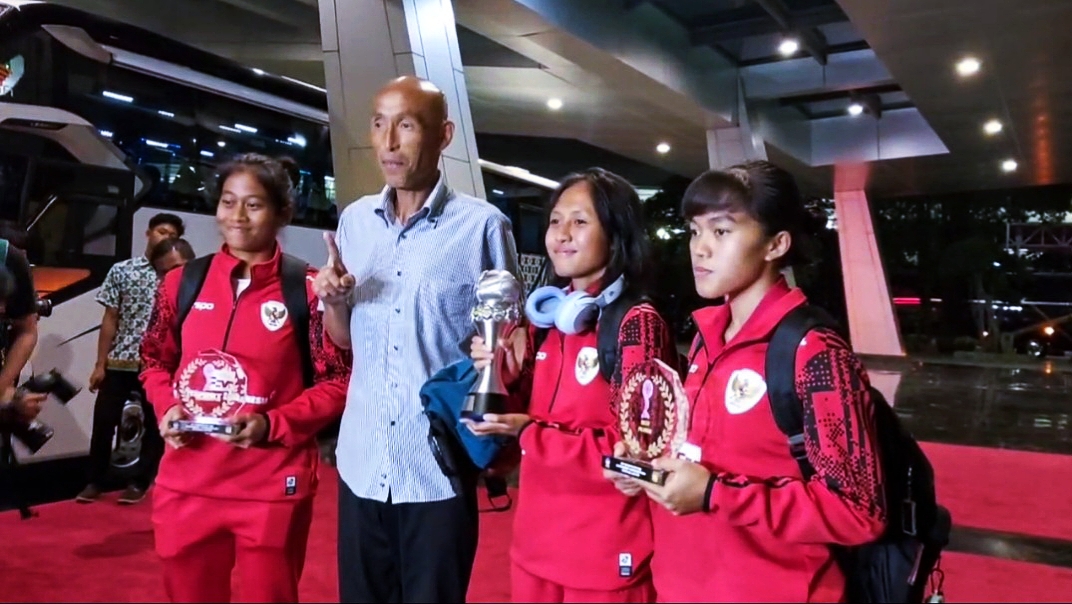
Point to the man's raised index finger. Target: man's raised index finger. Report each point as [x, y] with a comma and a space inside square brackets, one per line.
[333, 250]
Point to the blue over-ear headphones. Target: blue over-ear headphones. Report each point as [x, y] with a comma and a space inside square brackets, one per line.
[573, 313]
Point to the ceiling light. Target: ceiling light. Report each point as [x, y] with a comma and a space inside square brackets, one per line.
[1008, 165]
[856, 109]
[663, 148]
[788, 47]
[221, 144]
[992, 127]
[968, 66]
[554, 104]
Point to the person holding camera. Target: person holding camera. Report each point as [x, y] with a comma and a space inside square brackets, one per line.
[18, 307]
[127, 296]
[19, 408]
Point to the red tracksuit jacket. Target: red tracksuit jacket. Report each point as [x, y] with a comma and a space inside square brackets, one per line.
[243, 351]
[572, 524]
[767, 534]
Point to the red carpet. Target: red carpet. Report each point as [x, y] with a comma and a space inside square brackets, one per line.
[1003, 490]
[103, 553]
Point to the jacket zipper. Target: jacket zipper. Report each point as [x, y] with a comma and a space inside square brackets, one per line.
[561, 364]
[230, 320]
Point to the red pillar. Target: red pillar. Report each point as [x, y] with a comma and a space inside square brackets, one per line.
[872, 322]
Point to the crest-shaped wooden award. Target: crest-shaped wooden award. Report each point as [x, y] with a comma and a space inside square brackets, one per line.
[652, 412]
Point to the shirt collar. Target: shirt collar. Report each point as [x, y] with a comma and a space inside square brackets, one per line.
[433, 206]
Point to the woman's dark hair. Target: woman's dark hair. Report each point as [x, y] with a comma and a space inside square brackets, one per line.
[620, 214]
[760, 189]
[277, 176]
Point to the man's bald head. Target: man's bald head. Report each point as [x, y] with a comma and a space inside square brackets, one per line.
[409, 131]
[426, 99]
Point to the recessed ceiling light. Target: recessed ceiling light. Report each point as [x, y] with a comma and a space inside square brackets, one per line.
[1008, 165]
[856, 109]
[663, 148]
[788, 47]
[968, 66]
[554, 104]
[992, 127]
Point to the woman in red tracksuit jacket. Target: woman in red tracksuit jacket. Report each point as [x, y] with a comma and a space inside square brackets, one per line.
[740, 524]
[577, 539]
[241, 501]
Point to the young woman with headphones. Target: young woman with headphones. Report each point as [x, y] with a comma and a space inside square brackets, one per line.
[576, 538]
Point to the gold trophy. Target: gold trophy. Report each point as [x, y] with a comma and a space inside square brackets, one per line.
[653, 416]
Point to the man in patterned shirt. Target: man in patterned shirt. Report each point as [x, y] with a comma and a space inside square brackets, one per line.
[127, 296]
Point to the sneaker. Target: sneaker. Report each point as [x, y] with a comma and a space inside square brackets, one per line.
[89, 494]
[131, 495]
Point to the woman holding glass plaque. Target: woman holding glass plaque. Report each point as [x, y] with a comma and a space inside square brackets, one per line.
[577, 539]
[242, 384]
[740, 522]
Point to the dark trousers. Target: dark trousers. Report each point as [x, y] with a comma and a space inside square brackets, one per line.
[114, 392]
[406, 552]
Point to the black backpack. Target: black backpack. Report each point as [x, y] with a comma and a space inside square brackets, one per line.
[896, 567]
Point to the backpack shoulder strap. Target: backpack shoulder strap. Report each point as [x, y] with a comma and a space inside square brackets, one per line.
[296, 300]
[193, 278]
[781, 369]
[608, 331]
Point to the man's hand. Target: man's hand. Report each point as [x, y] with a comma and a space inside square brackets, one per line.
[253, 429]
[626, 484]
[27, 404]
[96, 378]
[333, 283]
[171, 436]
[685, 486]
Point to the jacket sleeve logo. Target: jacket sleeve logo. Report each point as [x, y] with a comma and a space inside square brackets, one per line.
[273, 315]
[744, 389]
[214, 384]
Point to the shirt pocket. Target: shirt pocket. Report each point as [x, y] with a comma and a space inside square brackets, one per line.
[443, 313]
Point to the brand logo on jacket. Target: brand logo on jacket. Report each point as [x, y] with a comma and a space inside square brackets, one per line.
[744, 390]
[204, 306]
[273, 315]
[587, 366]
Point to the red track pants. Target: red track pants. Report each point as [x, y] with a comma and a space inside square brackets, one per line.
[526, 587]
[202, 540]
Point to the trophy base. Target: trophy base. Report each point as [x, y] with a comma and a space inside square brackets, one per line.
[633, 468]
[205, 426]
[479, 403]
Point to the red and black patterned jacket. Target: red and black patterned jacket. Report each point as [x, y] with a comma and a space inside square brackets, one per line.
[572, 526]
[768, 533]
[242, 350]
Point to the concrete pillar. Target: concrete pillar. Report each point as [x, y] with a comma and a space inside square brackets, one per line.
[872, 321]
[369, 42]
[730, 146]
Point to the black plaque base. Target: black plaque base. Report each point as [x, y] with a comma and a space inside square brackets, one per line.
[633, 468]
[479, 403]
[205, 427]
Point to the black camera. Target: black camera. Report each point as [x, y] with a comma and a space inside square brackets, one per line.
[43, 307]
[35, 434]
